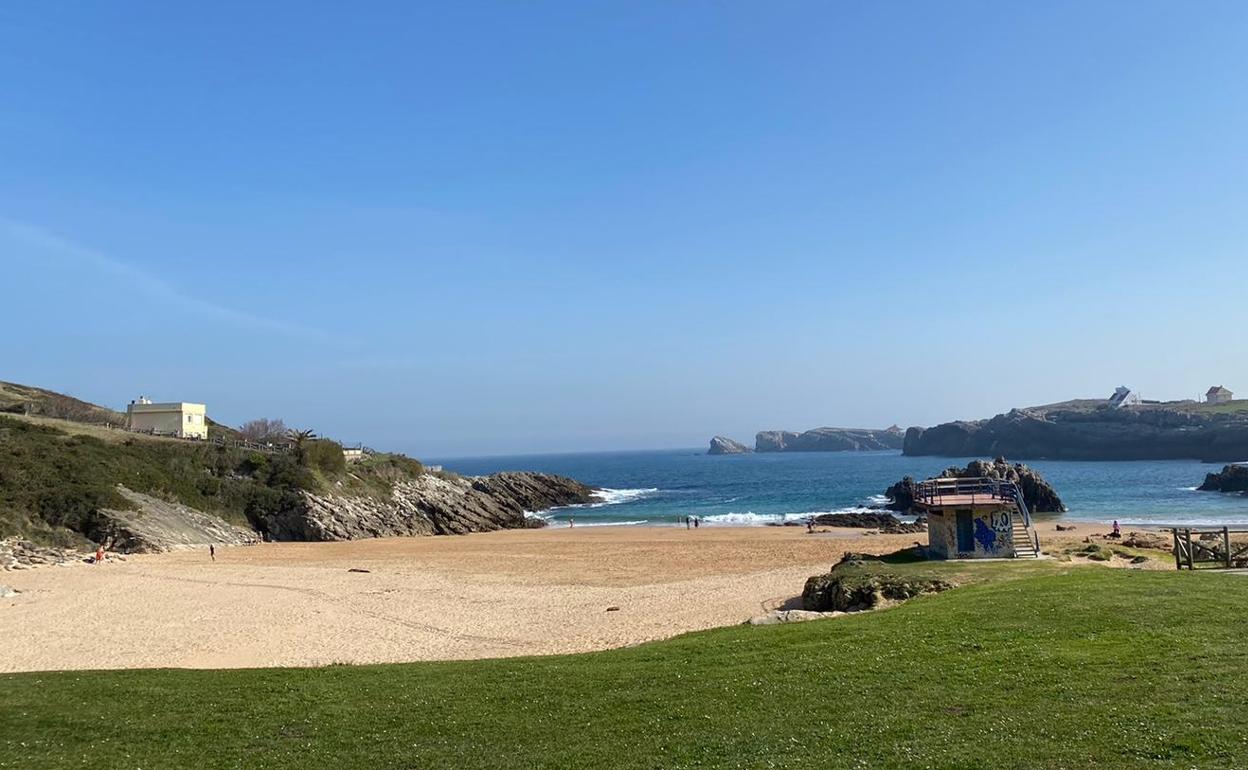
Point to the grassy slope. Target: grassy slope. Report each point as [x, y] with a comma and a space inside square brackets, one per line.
[1088, 668]
[55, 473]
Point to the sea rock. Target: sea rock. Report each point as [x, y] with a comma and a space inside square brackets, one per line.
[829, 440]
[721, 445]
[428, 505]
[1091, 429]
[1037, 493]
[1232, 478]
[156, 525]
[884, 522]
[846, 589]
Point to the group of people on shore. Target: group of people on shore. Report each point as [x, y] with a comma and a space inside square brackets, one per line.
[692, 522]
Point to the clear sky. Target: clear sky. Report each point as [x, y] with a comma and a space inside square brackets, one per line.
[467, 228]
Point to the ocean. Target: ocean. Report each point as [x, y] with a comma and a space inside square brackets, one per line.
[657, 488]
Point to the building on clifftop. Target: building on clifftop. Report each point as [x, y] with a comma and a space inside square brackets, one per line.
[1218, 395]
[176, 418]
[976, 518]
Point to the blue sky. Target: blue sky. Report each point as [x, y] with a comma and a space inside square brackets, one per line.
[509, 227]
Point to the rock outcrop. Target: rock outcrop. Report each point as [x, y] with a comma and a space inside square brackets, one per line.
[1092, 430]
[428, 505]
[721, 445]
[884, 522]
[859, 582]
[829, 440]
[17, 554]
[156, 525]
[1232, 478]
[1037, 493]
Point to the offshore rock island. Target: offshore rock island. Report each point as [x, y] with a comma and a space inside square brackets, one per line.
[815, 440]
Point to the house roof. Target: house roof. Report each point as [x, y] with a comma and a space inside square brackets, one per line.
[1217, 389]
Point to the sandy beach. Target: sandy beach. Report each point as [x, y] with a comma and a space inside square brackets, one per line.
[520, 592]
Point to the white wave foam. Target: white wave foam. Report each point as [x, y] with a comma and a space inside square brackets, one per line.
[607, 523]
[617, 496]
[751, 519]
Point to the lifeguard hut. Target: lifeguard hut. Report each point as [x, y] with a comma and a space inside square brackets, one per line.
[976, 518]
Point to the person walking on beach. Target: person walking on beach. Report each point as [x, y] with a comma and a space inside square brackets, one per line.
[571, 522]
[212, 552]
[688, 522]
[99, 554]
[695, 522]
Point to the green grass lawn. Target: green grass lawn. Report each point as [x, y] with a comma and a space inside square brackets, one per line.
[1086, 667]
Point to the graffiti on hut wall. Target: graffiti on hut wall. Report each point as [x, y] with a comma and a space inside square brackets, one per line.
[995, 533]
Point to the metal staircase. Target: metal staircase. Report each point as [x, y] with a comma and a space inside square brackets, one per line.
[1026, 541]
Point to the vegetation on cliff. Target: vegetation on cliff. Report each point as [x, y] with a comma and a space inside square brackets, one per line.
[55, 480]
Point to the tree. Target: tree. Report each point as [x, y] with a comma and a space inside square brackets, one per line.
[301, 439]
[264, 431]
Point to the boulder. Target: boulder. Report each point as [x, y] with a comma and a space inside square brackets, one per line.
[721, 445]
[1232, 478]
[848, 587]
[778, 617]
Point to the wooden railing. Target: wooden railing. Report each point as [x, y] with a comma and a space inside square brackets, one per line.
[1209, 548]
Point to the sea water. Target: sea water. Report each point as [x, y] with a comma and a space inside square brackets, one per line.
[658, 488]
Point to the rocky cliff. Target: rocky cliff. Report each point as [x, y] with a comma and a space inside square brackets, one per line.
[1232, 478]
[1092, 430]
[726, 446]
[1039, 494]
[828, 440]
[427, 505]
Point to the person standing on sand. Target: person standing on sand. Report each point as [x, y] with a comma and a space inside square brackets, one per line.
[212, 552]
[571, 522]
[688, 522]
[695, 522]
[99, 554]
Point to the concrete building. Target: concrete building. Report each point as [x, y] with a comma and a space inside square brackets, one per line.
[980, 518]
[170, 419]
[1218, 395]
[352, 453]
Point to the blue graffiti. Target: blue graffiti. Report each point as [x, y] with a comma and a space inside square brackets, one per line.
[985, 535]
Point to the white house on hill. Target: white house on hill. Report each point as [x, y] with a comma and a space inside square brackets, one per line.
[176, 418]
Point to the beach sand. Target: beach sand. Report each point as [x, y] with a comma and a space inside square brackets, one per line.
[520, 592]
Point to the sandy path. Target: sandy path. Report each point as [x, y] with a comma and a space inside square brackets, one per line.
[487, 595]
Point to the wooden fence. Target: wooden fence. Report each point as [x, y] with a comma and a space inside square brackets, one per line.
[1209, 548]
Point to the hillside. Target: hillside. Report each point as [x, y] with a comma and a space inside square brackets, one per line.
[72, 481]
[1089, 429]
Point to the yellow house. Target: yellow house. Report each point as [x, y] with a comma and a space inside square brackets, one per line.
[172, 419]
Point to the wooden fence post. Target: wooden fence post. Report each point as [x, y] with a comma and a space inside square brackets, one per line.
[1188, 538]
[1178, 553]
[1226, 543]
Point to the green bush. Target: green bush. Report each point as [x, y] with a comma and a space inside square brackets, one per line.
[324, 455]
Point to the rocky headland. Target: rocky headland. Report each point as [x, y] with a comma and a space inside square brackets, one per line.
[428, 505]
[1092, 429]
[1232, 478]
[1039, 494]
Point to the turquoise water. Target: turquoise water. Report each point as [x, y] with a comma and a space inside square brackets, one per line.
[655, 488]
